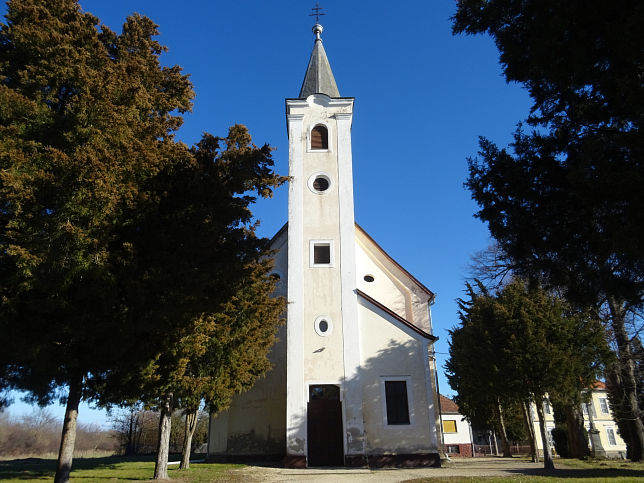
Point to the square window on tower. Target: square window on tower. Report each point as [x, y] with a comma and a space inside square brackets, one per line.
[321, 253]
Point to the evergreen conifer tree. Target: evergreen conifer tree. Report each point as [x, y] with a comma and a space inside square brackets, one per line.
[520, 345]
[565, 201]
[114, 237]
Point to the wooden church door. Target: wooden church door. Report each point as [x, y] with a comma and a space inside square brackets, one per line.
[324, 426]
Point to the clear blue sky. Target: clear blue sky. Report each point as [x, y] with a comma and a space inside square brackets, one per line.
[423, 96]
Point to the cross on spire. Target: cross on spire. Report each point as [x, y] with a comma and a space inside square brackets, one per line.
[316, 12]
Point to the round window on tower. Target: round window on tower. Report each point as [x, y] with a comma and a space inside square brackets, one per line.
[369, 278]
[323, 326]
[319, 183]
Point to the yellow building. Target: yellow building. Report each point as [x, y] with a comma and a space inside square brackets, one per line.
[605, 442]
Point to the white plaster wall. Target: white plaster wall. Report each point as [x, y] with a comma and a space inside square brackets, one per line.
[385, 289]
[462, 435]
[420, 308]
[322, 294]
[388, 350]
[255, 423]
[393, 288]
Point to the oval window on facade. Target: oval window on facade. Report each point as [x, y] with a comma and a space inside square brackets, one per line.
[369, 278]
[323, 326]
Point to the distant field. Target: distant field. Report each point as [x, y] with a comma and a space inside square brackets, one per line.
[53, 456]
[111, 468]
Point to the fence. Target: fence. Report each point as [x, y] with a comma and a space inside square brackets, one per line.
[487, 450]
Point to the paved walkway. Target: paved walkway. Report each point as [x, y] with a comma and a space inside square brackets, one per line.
[466, 467]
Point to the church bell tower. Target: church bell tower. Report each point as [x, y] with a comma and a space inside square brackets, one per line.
[324, 396]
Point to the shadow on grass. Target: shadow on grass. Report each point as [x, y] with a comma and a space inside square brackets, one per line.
[579, 473]
[41, 468]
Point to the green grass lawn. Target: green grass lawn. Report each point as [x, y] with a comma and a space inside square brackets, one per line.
[112, 468]
[119, 468]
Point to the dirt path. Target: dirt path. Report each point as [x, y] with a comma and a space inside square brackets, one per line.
[466, 467]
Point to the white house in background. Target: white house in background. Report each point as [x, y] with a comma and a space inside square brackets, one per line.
[353, 377]
[457, 433]
[598, 420]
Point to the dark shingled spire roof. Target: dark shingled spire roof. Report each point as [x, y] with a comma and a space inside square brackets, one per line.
[319, 78]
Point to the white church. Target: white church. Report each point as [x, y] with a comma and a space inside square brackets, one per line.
[353, 378]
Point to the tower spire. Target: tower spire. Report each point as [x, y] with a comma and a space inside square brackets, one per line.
[319, 77]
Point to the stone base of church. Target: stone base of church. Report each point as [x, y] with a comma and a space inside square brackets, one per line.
[415, 460]
[377, 461]
[356, 461]
[294, 461]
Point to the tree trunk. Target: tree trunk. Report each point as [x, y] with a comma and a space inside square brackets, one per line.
[68, 436]
[191, 425]
[548, 463]
[507, 452]
[531, 433]
[616, 397]
[129, 449]
[628, 381]
[577, 442]
[163, 445]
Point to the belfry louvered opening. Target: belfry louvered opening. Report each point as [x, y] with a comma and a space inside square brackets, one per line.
[319, 137]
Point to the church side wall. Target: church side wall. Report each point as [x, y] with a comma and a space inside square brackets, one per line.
[390, 353]
[255, 423]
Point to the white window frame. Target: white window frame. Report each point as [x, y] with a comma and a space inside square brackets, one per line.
[312, 179]
[608, 436]
[603, 403]
[410, 402]
[312, 245]
[316, 326]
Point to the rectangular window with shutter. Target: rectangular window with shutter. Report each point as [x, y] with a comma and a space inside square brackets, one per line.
[397, 402]
[449, 426]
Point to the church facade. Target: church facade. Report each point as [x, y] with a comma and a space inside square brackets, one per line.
[353, 374]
